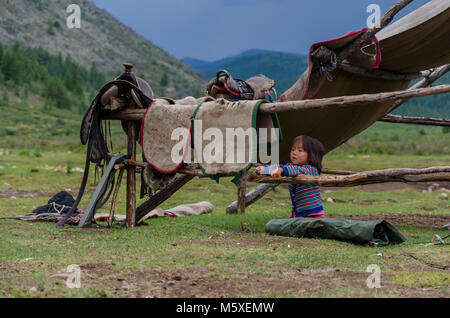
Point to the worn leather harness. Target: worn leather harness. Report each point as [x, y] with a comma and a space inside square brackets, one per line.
[91, 132]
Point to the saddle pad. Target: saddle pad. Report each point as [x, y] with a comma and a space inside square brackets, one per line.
[236, 125]
[158, 124]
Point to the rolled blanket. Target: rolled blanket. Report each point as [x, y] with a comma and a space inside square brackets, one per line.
[182, 210]
[362, 232]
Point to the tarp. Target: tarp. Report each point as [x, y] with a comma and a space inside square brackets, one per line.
[356, 231]
[416, 42]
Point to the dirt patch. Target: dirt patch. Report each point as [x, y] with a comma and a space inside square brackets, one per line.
[275, 242]
[195, 189]
[213, 281]
[437, 220]
[362, 202]
[216, 282]
[8, 193]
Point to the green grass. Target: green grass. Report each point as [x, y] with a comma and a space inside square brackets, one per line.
[209, 248]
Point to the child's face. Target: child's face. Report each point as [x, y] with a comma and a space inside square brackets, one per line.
[298, 155]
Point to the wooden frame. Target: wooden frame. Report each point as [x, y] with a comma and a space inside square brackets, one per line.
[347, 178]
[339, 177]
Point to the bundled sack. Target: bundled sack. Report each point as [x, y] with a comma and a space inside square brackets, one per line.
[59, 203]
[379, 232]
[54, 211]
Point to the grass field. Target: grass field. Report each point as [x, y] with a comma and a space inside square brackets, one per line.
[216, 254]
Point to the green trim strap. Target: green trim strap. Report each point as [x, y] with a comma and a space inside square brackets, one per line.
[214, 177]
[276, 124]
[192, 124]
[244, 171]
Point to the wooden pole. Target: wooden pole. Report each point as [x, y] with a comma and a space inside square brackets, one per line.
[114, 198]
[416, 120]
[251, 197]
[161, 196]
[131, 176]
[346, 101]
[367, 177]
[425, 82]
[380, 74]
[323, 103]
[241, 190]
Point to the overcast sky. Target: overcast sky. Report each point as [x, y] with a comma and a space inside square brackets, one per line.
[213, 29]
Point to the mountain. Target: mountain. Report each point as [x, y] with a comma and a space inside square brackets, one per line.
[102, 40]
[202, 66]
[283, 68]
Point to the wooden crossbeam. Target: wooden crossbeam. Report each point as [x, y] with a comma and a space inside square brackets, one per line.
[416, 120]
[367, 177]
[323, 103]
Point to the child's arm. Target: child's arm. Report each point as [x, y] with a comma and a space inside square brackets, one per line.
[288, 170]
[291, 170]
[267, 169]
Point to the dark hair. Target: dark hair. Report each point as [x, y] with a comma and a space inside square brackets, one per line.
[314, 148]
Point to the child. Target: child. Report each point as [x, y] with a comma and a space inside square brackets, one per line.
[306, 158]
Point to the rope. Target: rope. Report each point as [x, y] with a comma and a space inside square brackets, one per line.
[54, 206]
[366, 53]
[326, 68]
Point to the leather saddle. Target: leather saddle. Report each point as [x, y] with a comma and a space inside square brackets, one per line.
[229, 88]
[126, 91]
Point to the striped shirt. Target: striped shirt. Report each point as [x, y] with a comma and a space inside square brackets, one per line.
[306, 200]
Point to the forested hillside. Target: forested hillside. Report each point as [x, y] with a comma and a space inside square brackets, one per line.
[101, 40]
[59, 81]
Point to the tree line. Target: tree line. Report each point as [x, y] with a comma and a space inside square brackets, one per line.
[59, 80]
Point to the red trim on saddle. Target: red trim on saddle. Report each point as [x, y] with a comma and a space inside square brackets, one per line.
[230, 90]
[219, 88]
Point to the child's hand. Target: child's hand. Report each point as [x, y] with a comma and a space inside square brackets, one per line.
[277, 173]
[259, 169]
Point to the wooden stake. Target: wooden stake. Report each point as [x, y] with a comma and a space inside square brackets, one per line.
[251, 197]
[114, 198]
[241, 190]
[131, 176]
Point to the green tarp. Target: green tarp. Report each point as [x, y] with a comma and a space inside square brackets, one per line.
[361, 232]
